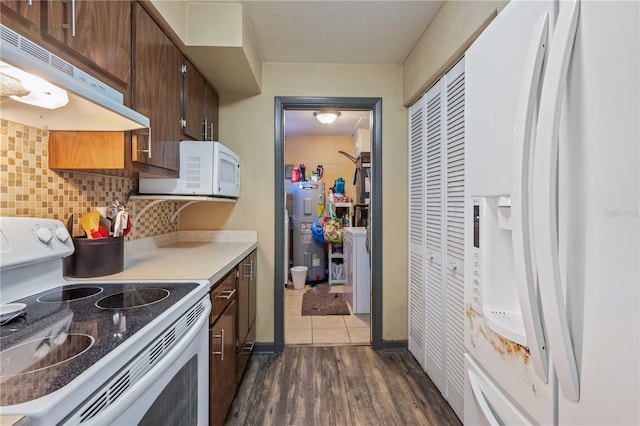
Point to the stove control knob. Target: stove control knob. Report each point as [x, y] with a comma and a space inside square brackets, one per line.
[44, 235]
[62, 234]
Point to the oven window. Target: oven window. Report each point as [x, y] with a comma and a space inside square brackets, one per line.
[178, 402]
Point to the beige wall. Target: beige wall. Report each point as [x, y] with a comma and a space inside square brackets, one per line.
[314, 150]
[450, 33]
[247, 126]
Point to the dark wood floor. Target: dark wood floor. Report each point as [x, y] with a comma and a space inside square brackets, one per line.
[338, 385]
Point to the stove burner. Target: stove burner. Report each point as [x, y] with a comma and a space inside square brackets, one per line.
[133, 298]
[64, 294]
[44, 353]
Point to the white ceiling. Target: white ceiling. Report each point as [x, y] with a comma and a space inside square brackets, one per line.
[329, 31]
[333, 31]
[304, 123]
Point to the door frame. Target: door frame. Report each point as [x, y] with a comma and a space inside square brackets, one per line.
[375, 208]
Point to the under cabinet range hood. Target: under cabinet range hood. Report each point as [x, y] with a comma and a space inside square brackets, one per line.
[73, 100]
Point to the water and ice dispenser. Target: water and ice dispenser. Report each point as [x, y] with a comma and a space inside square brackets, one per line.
[494, 292]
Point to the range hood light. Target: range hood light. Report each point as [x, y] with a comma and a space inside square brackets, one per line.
[41, 93]
[88, 104]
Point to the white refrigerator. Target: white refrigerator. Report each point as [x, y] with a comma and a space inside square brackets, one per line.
[552, 323]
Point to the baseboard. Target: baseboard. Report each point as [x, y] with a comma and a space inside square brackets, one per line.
[394, 346]
[264, 348]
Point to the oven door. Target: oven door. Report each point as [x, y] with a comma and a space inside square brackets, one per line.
[226, 174]
[175, 391]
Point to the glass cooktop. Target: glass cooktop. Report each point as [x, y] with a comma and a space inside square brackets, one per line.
[68, 329]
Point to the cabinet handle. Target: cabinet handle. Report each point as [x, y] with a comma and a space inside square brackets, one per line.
[221, 337]
[248, 347]
[207, 125]
[148, 150]
[247, 270]
[183, 123]
[229, 294]
[254, 264]
[73, 17]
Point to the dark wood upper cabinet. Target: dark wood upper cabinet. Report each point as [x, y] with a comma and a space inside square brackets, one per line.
[157, 85]
[211, 112]
[193, 98]
[200, 106]
[21, 13]
[98, 32]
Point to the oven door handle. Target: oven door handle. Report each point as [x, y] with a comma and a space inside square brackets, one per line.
[111, 413]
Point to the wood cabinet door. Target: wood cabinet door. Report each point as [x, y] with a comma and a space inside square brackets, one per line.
[222, 367]
[211, 113]
[253, 288]
[244, 277]
[193, 102]
[98, 31]
[26, 12]
[156, 85]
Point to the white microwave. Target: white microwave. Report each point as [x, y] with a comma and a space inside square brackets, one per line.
[206, 168]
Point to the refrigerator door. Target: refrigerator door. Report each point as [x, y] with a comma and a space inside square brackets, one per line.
[498, 326]
[487, 404]
[599, 233]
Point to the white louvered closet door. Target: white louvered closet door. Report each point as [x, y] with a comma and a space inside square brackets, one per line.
[434, 362]
[454, 219]
[416, 230]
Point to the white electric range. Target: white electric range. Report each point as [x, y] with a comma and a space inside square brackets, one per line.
[88, 352]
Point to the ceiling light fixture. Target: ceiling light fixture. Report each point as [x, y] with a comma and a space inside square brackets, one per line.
[326, 117]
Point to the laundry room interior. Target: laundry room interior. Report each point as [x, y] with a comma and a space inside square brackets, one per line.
[327, 192]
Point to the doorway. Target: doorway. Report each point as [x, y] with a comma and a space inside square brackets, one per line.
[375, 208]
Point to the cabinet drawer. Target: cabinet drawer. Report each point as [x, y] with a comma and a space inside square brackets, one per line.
[222, 294]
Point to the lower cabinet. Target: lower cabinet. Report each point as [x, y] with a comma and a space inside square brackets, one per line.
[232, 333]
[246, 312]
[222, 361]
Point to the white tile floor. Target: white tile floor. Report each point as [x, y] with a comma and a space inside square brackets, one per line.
[322, 330]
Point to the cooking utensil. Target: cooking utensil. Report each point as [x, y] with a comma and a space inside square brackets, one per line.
[70, 224]
[128, 228]
[104, 223]
[91, 224]
[122, 223]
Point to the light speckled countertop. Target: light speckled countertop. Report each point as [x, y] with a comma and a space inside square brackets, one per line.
[188, 255]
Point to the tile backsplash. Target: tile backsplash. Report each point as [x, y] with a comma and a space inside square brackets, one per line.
[29, 188]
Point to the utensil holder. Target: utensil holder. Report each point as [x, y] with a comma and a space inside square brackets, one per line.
[95, 257]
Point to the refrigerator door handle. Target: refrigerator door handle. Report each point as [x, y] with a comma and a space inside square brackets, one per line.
[524, 260]
[544, 201]
[481, 399]
[492, 402]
